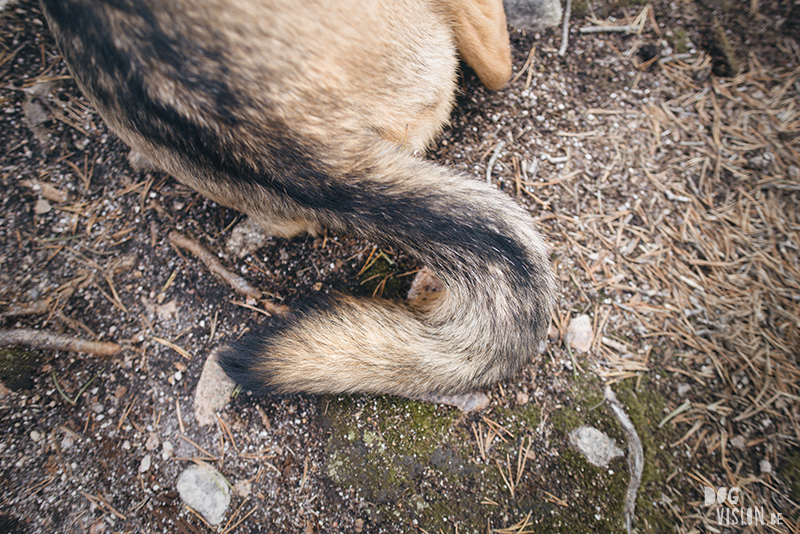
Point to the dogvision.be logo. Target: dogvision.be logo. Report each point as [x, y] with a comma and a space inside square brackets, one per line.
[733, 515]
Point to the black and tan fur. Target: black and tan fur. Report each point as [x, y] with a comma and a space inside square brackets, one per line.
[305, 115]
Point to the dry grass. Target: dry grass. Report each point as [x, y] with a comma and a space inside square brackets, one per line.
[710, 264]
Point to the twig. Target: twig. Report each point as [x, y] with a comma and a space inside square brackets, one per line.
[555, 500]
[101, 502]
[125, 414]
[72, 401]
[675, 57]
[214, 265]
[35, 308]
[572, 358]
[38, 339]
[554, 160]
[224, 426]
[180, 418]
[565, 31]
[630, 28]
[677, 411]
[508, 481]
[492, 161]
[635, 456]
[272, 308]
[525, 66]
[173, 346]
[251, 512]
[196, 446]
[305, 474]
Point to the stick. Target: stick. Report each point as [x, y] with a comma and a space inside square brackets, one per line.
[635, 456]
[565, 32]
[39, 339]
[492, 161]
[35, 308]
[214, 265]
[608, 29]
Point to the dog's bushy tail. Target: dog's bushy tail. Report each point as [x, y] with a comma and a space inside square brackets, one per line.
[489, 321]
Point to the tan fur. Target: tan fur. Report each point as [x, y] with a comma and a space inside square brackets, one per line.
[482, 39]
[306, 115]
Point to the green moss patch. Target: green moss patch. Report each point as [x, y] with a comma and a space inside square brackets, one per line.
[17, 367]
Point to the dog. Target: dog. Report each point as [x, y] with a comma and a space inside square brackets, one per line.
[309, 115]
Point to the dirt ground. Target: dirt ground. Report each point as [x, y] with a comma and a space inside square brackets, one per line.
[662, 164]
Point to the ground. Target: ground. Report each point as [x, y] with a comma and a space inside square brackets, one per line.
[667, 185]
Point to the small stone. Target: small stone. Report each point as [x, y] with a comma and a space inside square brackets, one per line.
[67, 442]
[522, 398]
[359, 526]
[552, 333]
[243, 488]
[213, 391]
[50, 192]
[36, 436]
[683, 389]
[598, 448]
[120, 391]
[145, 465]
[532, 15]
[41, 207]
[579, 333]
[152, 442]
[738, 442]
[205, 490]
[247, 237]
[166, 451]
[766, 467]
[466, 402]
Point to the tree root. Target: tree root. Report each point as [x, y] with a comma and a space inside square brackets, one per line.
[39, 339]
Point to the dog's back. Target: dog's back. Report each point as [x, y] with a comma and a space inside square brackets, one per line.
[306, 115]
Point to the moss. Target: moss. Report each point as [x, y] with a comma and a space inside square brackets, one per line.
[17, 367]
[580, 8]
[566, 420]
[383, 447]
[725, 62]
[790, 471]
[679, 41]
[379, 279]
[595, 496]
[719, 5]
[645, 407]
[519, 419]
[420, 469]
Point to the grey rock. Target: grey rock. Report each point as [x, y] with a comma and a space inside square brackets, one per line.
[532, 15]
[579, 333]
[597, 447]
[144, 466]
[246, 238]
[213, 391]
[467, 402]
[205, 490]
